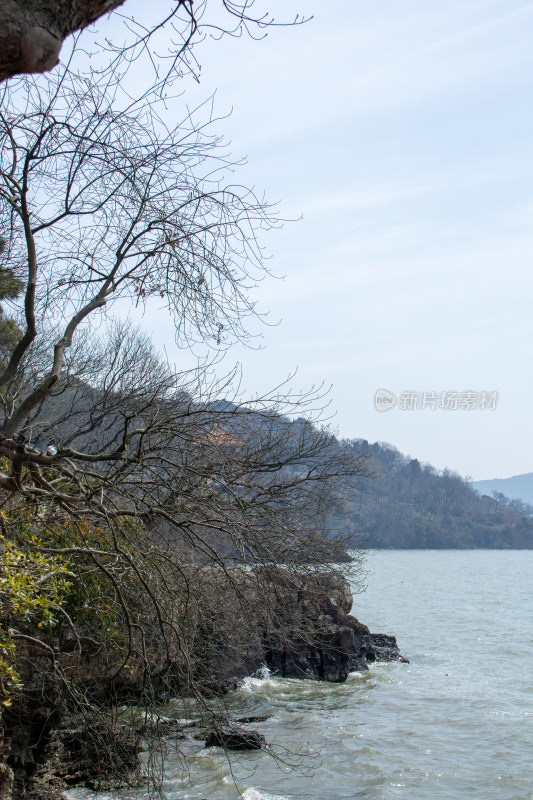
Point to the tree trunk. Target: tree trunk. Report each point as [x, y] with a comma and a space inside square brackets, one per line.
[32, 31]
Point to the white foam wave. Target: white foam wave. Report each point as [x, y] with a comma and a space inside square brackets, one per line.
[258, 794]
[260, 678]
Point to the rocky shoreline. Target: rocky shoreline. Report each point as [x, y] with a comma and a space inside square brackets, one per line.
[304, 631]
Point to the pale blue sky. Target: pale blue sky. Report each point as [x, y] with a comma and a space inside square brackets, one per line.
[403, 133]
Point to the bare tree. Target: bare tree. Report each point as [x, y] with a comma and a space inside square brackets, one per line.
[32, 32]
[106, 204]
[151, 494]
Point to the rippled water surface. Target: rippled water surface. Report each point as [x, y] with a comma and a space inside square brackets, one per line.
[457, 722]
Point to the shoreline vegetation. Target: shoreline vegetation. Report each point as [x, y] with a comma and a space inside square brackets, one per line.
[305, 632]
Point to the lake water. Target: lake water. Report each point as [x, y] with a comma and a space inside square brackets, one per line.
[455, 723]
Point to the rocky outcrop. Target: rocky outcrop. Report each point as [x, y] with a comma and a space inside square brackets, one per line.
[313, 635]
[97, 755]
[297, 626]
[309, 632]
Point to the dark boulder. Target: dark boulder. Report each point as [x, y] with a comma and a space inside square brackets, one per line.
[386, 648]
[234, 738]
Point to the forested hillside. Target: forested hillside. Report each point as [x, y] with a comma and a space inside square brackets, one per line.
[407, 504]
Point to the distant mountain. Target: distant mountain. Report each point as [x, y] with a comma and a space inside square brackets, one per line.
[519, 486]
